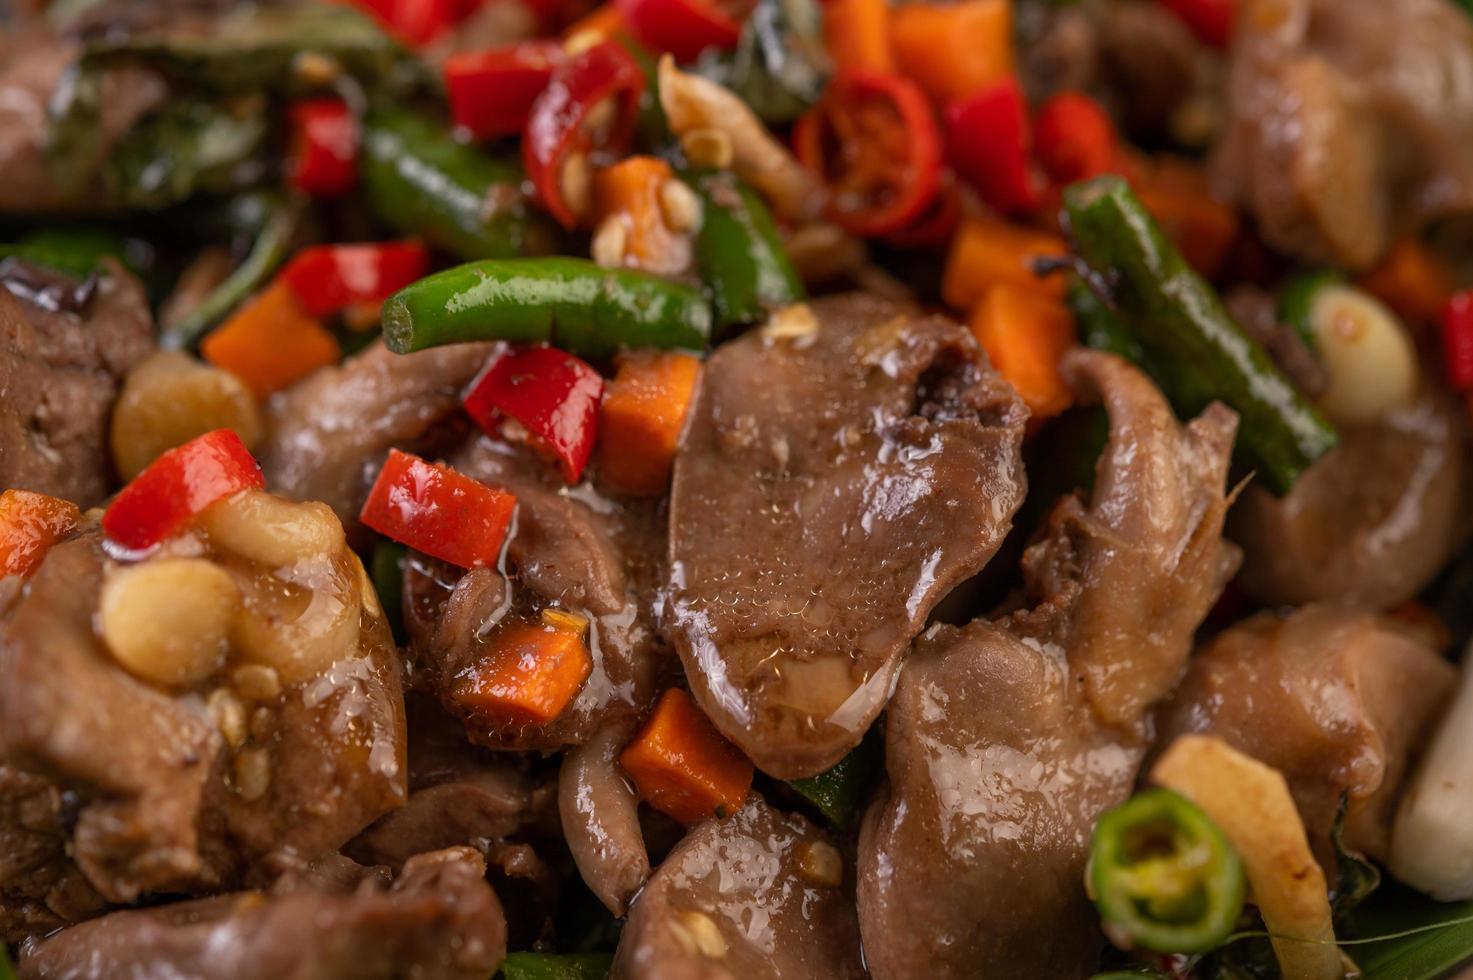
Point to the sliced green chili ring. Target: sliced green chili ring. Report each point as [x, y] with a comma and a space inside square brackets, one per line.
[579, 306]
[742, 261]
[1163, 876]
[556, 966]
[1179, 319]
[420, 181]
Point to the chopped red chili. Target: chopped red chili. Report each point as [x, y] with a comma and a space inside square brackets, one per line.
[438, 511]
[552, 394]
[177, 486]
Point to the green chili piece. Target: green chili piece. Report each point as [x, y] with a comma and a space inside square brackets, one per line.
[841, 791]
[556, 966]
[7, 972]
[1297, 302]
[74, 251]
[742, 261]
[1163, 876]
[1179, 319]
[419, 180]
[573, 303]
[387, 571]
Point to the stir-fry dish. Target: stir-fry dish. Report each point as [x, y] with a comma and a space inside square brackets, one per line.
[736, 489]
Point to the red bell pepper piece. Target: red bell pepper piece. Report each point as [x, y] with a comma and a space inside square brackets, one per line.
[873, 140]
[438, 511]
[414, 21]
[987, 140]
[684, 28]
[1211, 20]
[554, 395]
[491, 92]
[560, 129]
[323, 157]
[30, 523]
[1457, 339]
[328, 279]
[177, 486]
[1074, 138]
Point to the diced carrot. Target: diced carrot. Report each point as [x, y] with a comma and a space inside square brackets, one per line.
[1025, 332]
[631, 193]
[1177, 195]
[953, 50]
[270, 342]
[987, 251]
[529, 673]
[644, 408]
[857, 34]
[1413, 280]
[681, 764]
[600, 23]
[30, 523]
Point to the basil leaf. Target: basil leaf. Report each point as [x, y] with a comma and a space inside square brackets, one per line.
[779, 66]
[1424, 938]
[186, 147]
[256, 48]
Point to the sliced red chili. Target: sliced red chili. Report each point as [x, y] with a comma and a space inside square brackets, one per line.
[1074, 138]
[328, 279]
[415, 21]
[684, 28]
[1210, 20]
[989, 143]
[567, 126]
[491, 92]
[937, 224]
[177, 486]
[323, 158]
[874, 141]
[554, 395]
[438, 511]
[1457, 340]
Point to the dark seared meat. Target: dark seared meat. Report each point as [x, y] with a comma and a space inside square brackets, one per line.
[458, 795]
[1337, 701]
[1371, 523]
[759, 895]
[438, 921]
[60, 370]
[151, 806]
[1006, 740]
[830, 490]
[328, 435]
[600, 817]
[1351, 121]
[570, 548]
[40, 888]
[33, 63]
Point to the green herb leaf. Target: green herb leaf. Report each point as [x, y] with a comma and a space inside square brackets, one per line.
[779, 66]
[1355, 877]
[1422, 938]
[187, 147]
[74, 251]
[266, 254]
[559, 966]
[255, 48]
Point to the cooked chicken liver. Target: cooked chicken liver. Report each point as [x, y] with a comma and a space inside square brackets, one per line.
[832, 487]
[60, 369]
[439, 920]
[1335, 700]
[759, 895]
[1005, 740]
